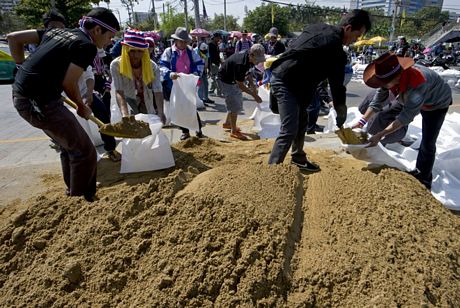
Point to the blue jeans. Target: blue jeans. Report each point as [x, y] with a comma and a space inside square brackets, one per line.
[294, 121]
[431, 125]
[203, 88]
[313, 113]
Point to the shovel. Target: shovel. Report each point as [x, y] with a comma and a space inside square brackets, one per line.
[349, 136]
[127, 128]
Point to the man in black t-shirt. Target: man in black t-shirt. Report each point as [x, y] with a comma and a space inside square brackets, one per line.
[56, 66]
[231, 78]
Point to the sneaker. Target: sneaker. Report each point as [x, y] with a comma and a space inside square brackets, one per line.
[184, 136]
[311, 132]
[209, 101]
[307, 166]
[238, 135]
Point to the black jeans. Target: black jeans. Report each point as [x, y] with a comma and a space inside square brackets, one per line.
[313, 112]
[431, 125]
[102, 112]
[78, 155]
[294, 121]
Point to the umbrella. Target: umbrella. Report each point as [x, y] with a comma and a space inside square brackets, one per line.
[154, 35]
[236, 34]
[199, 32]
[377, 39]
[222, 32]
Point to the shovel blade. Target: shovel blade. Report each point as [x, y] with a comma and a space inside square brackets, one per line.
[348, 136]
[127, 128]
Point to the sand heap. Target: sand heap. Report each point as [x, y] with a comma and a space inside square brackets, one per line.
[225, 229]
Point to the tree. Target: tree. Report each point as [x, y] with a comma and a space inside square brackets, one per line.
[31, 11]
[259, 20]
[172, 20]
[217, 23]
[10, 22]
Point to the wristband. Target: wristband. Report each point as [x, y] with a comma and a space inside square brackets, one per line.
[362, 122]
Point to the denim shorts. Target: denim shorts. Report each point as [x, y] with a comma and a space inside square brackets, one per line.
[233, 96]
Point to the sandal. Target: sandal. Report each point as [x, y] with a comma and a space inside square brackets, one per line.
[114, 156]
[228, 126]
[238, 135]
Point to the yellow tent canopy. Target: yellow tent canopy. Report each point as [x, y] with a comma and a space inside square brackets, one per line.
[364, 43]
[378, 39]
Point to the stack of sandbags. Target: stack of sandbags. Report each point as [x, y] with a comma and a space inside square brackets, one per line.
[358, 70]
[452, 78]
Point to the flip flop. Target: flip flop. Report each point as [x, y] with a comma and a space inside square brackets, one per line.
[114, 156]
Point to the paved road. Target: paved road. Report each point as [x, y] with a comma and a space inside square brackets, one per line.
[21, 144]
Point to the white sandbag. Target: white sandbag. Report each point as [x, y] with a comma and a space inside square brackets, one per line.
[264, 93]
[377, 155]
[90, 128]
[353, 115]
[150, 153]
[183, 102]
[115, 113]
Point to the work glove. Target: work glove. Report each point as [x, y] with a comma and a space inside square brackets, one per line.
[341, 114]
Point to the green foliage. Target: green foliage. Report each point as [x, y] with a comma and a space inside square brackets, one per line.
[259, 20]
[422, 22]
[10, 22]
[380, 23]
[302, 16]
[173, 20]
[217, 23]
[32, 10]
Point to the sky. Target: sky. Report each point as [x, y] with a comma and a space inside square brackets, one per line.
[235, 7]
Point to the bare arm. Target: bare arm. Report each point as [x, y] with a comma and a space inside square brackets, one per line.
[17, 40]
[249, 91]
[70, 85]
[121, 101]
[374, 140]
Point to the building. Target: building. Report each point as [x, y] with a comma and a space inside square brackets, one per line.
[409, 6]
[8, 5]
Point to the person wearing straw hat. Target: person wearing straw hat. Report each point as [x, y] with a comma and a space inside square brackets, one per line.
[56, 66]
[136, 77]
[317, 54]
[419, 90]
[180, 58]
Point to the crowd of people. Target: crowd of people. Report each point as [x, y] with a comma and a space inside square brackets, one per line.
[85, 63]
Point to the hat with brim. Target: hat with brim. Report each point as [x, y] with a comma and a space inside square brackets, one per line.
[135, 39]
[384, 69]
[181, 34]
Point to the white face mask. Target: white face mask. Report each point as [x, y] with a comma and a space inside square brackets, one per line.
[100, 53]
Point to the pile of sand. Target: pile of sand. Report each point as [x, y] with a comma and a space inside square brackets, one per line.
[223, 228]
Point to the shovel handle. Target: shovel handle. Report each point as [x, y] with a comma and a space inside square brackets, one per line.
[72, 104]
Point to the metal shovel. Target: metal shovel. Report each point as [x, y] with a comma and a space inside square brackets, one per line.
[129, 127]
